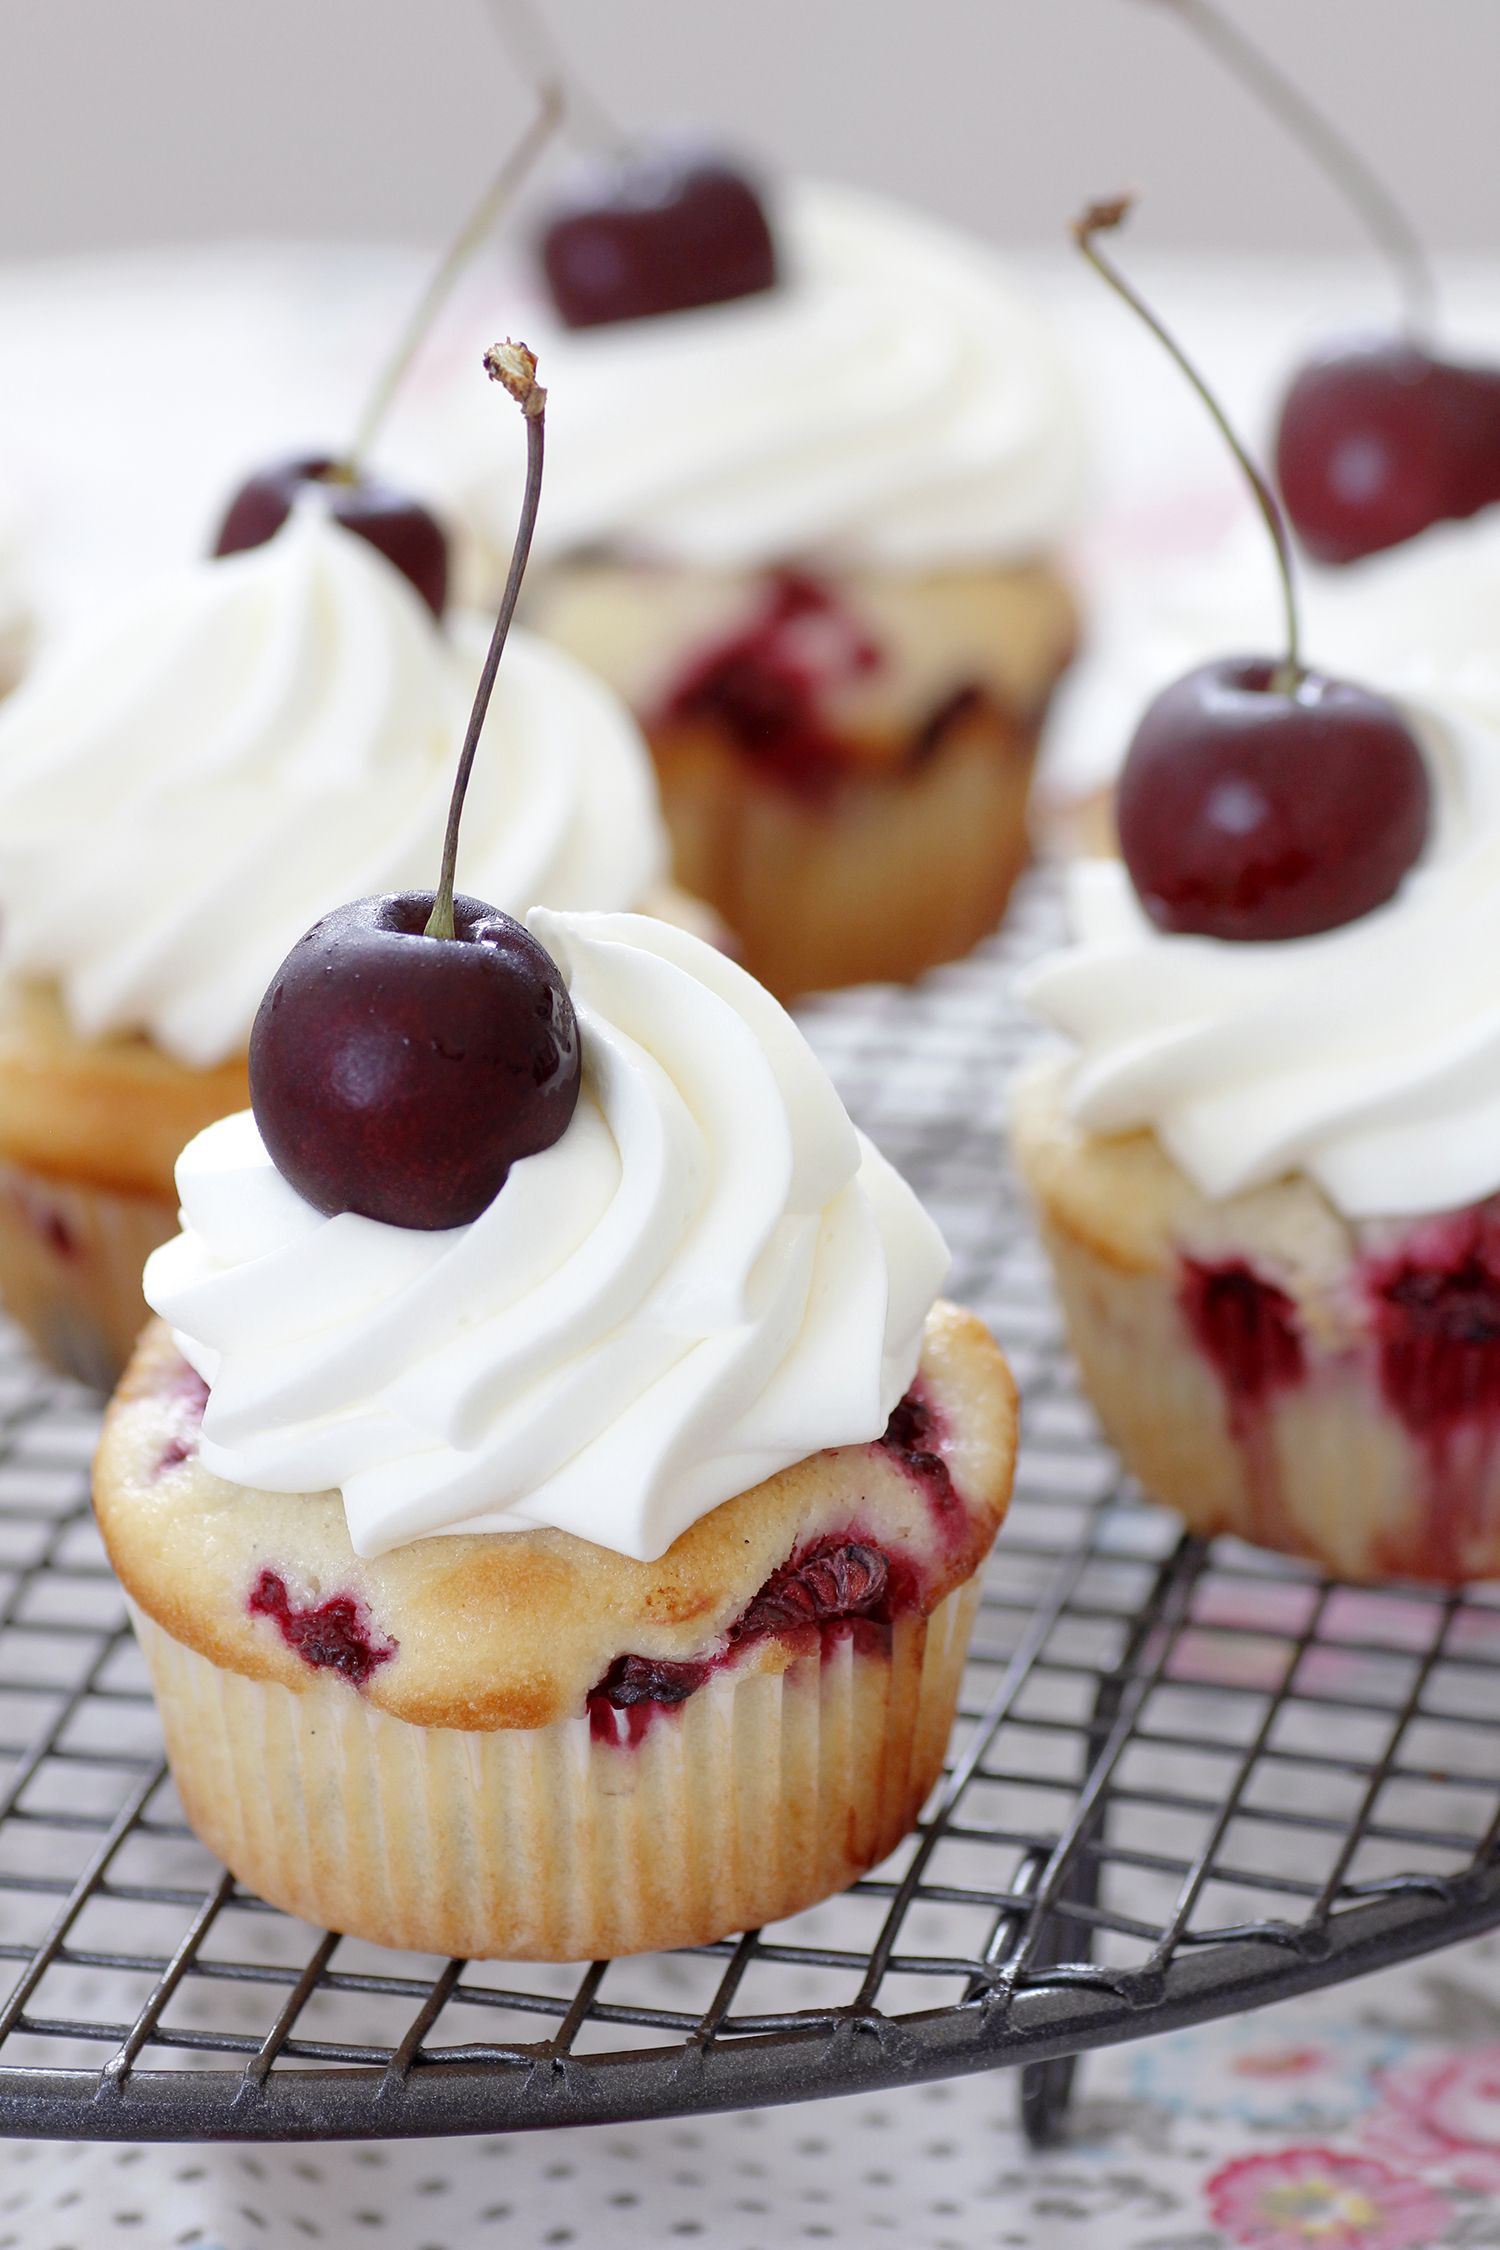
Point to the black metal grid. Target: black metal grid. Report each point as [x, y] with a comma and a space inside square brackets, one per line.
[1184, 1781]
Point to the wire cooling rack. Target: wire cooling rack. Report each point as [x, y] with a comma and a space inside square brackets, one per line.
[1185, 1780]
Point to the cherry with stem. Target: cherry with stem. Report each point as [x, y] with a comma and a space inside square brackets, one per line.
[1379, 436]
[1261, 799]
[412, 1048]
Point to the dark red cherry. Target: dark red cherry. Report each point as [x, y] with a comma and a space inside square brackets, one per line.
[1378, 440]
[654, 233]
[400, 527]
[1248, 810]
[400, 1075]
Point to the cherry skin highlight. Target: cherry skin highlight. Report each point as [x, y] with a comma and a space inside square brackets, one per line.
[400, 1076]
[657, 232]
[1251, 811]
[1378, 440]
[400, 528]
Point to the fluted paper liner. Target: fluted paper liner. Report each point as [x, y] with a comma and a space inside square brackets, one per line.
[762, 1793]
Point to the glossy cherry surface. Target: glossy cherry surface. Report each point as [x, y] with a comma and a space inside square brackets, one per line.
[1250, 811]
[657, 232]
[405, 532]
[401, 1076]
[1378, 440]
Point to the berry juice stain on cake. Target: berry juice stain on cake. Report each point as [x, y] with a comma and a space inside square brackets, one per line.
[1247, 1327]
[768, 685]
[831, 1587]
[912, 1438]
[1248, 1330]
[186, 1395]
[336, 1635]
[1435, 1313]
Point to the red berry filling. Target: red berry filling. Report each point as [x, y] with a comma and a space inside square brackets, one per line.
[41, 1214]
[336, 1635]
[1246, 1326]
[1435, 1315]
[1438, 1334]
[912, 1436]
[832, 1583]
[188, 1394]
[767, 686]
[1249, 1332]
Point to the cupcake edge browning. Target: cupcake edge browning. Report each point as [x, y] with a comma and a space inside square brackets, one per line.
[516, 1630]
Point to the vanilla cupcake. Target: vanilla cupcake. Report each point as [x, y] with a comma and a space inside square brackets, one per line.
[179, 788]
[595, 1575]
[1268, 1175]
[810, 535]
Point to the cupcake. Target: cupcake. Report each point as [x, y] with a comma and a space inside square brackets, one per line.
[808, 530]
[1267, 1168]
[179, 786]
[591, 1576]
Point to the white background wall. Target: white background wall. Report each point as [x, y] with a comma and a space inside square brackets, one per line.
[164, 120]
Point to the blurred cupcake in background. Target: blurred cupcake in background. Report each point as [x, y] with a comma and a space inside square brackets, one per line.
[811, 461]
[182, 785]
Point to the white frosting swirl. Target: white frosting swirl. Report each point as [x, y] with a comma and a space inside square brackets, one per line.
[186, 785]
[1367, 1057]
[710, 1276]
[892, 401]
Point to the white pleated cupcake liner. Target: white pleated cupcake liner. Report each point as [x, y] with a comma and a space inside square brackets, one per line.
[762, 1793]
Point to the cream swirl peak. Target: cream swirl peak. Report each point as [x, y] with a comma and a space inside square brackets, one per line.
[1367, 1056]
[893, 401]
[708, 1277]
[257, 734]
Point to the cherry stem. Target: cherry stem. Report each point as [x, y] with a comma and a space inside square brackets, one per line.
[1104, 218]
[539, 57]
[514, 367]
[475, 230]
[1362, 188]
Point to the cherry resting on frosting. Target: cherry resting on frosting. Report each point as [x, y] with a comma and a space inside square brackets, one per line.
[1260, 799]
[1379, 440]
[410, 1049]
[658, 231]
[1248, 810]
[405, 532]
[401, 1075]
[1379, 437]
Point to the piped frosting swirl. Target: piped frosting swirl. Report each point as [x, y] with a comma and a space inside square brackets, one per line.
[709, 1277]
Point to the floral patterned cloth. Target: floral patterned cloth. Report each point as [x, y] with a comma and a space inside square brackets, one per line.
[1363, 2118]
